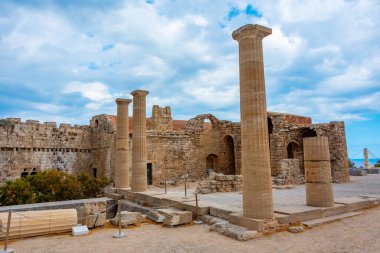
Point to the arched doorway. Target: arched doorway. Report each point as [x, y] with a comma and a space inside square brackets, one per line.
[295, 151]
[228, 151]
[211, 162]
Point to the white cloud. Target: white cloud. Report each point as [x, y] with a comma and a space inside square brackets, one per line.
[94, 91]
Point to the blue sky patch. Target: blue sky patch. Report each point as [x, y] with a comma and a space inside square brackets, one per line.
[251, 11]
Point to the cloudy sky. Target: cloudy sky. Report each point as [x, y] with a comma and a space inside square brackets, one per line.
[66, 61]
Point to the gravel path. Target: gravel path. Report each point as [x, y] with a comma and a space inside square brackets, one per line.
[356, 234]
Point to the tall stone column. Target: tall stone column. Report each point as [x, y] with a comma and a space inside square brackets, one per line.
[122, 144]
[256, 171]
[319, 190]
[139, 153]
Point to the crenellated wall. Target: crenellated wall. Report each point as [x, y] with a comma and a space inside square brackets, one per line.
[173, 147]
[28, 146]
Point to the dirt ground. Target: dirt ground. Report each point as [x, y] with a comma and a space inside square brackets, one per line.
[356, 234]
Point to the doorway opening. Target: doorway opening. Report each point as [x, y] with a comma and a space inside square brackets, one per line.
[149, 173]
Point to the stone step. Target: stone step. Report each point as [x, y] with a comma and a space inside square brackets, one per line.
[223, 211]
[112, 195]
[321, 221]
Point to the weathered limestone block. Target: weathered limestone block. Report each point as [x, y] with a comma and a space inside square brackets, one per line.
[155, 216]
[318, 172]
[221, 177]
[296, 229]
[237, 232]
[128, 218]
[230, 177]
[175, 217]
[94, 214]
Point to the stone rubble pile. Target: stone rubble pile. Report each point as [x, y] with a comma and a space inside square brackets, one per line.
[218, 182]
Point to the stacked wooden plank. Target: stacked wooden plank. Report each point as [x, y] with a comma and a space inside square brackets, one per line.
[33, 223]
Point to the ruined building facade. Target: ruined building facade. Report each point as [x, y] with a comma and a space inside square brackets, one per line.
[174, 147]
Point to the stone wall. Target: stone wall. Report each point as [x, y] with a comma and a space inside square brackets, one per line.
[28, 146]
[335, 131]
[161, 119]
[289, 173]
[218, 182]
[173, 147]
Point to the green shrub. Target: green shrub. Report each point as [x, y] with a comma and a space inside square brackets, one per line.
[351, 164]
[377, 164]
[50, 185]
[16, 192]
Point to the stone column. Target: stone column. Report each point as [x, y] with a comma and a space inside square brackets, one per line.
[122, 144]
[319, 190]
[139, 153]
[256, 171]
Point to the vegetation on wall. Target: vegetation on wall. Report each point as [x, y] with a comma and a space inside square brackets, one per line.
[6, 122]
[50, 185]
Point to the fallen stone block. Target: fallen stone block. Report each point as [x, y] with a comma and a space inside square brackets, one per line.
[94, 214]
[296, 229]
[155, 216]
[357, 172]
[175, 217]
[128, 218]
[95, 220]
[373, 171]
[234, 231]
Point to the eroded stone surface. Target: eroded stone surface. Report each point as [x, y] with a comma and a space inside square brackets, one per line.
[175, 217]
[128, 218]
[234, 231]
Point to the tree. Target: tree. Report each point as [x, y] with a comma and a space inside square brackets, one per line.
[377, 164]
[351, 164]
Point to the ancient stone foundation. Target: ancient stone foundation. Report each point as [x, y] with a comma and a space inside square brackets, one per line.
[256, 170]
[318, 172]
[220, 183]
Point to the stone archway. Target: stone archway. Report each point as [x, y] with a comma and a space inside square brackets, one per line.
[196, 124]
[212, 162]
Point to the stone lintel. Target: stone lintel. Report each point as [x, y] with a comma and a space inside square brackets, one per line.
[140, 92]
[123, 100]
[251, 31]
[240, 220]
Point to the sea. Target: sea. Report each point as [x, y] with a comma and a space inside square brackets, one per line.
[360, 162]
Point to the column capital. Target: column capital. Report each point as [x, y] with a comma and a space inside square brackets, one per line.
[251, 31]
[140, 93]
[123, 101]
